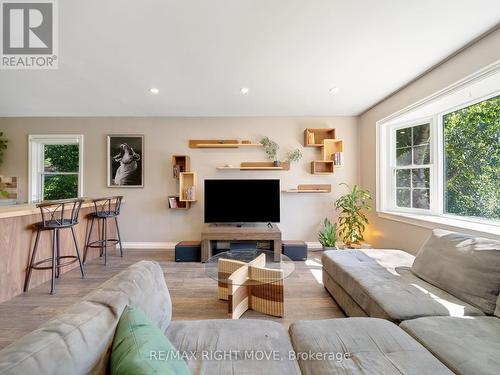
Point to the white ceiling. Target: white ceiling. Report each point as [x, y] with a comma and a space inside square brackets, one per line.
[199, 53]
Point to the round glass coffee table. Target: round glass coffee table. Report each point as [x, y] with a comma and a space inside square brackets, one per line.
[250, 279]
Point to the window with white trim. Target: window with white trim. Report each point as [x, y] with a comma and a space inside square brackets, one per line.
[55, 167]
[442, 157]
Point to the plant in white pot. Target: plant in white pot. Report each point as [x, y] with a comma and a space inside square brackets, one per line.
[328, 235]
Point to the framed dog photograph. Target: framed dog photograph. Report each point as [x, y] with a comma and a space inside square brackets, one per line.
[125, 161]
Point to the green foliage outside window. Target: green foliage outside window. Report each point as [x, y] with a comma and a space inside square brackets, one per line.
[60, 159]
[472, 160]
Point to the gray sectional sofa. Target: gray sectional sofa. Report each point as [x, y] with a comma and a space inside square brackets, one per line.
[446, 298]
[79, 340]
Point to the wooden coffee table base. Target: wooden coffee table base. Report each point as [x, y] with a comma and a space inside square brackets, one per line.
[251, 286]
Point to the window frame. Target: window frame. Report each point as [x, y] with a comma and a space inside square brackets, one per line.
[468, 92]
[36, 143]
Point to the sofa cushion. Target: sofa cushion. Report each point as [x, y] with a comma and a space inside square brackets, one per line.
[468, 346]
[381, 283]
[497, 310]
[360, 346]
[234, 346]
[80, 338]
[466, 266]
[141, 348]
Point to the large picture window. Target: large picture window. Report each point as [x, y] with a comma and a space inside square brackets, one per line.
[55, 167]
[441, 157]
[472, 160]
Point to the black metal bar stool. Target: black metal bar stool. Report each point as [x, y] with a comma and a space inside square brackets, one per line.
[104, 209]
[56, 216]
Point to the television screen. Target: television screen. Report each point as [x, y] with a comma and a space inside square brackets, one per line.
[242, 201]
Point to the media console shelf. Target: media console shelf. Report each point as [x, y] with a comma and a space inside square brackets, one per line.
[316, 188]
[221, 143]
[257, 166]
[252, 232]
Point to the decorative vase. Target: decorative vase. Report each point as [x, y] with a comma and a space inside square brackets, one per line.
[277, 163]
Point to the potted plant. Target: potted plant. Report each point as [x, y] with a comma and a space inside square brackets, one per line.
[293, 156]
[328, 235]
[271, 148]
[353, 207]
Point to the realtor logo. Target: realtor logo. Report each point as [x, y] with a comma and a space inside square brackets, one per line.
[29, 34]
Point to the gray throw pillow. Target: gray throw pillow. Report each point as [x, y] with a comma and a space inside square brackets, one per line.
[465, 266]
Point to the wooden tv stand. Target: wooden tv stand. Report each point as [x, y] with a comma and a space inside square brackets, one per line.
[251, 232]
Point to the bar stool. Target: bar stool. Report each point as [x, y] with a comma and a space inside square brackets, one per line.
[56, 216]
[104, 209]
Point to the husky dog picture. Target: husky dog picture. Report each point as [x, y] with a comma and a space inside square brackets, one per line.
[125, 160]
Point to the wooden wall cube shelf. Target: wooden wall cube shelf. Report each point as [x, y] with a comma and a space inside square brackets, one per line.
[181, 205]
[322, 167]
[187, 181]
[330, 147]
[314, 137]
[221, 143]
[182, 162]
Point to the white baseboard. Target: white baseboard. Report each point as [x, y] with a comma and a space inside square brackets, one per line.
[171, 245]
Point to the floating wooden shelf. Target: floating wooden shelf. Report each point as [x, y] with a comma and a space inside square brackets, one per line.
[180, 163]
[330, 147]
[322, 167]
[315, 188]
[221, 143]
[257, 166]
[187, 180]
[181, 205]
[315, 137]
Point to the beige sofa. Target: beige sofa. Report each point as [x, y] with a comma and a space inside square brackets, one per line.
[447, 297]
[79, 340]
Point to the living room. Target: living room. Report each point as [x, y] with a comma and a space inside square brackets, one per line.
[229, 188]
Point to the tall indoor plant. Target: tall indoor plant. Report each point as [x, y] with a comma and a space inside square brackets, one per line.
[353, 207]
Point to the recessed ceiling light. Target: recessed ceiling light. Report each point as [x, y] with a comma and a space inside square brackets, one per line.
[334, 90]
[244, 90]
[154, 90]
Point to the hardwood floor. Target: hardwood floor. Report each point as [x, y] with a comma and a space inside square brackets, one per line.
[194, 295]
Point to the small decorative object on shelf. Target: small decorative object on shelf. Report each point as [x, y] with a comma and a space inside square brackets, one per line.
[271, 148]
[172, 202]
[338, 159]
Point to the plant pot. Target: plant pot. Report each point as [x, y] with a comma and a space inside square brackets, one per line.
[329, 248]
[277, 163]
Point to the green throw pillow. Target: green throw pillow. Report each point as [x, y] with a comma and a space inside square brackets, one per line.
[139, 347]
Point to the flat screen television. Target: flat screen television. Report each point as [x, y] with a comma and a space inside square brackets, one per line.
[242, 201]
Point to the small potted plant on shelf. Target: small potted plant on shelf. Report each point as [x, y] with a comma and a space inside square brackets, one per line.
[293, 156]
[353, 207]
[271, 149]
[328, 235]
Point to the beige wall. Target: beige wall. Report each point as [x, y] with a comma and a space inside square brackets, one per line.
[391, 234]
[146, 217]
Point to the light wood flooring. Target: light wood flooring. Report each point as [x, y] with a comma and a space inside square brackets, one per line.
[194, 295]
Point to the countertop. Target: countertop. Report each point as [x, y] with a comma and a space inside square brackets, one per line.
[25, 209]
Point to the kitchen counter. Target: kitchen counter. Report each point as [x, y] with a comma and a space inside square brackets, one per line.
[17, 240]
